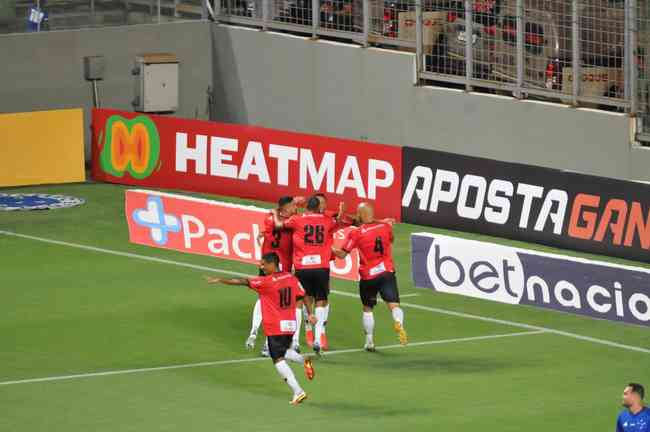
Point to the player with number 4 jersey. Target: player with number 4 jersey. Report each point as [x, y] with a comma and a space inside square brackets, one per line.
[374, 240]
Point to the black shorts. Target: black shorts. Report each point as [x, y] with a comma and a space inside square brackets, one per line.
[278, 345]
[385, 285]
[316, 282]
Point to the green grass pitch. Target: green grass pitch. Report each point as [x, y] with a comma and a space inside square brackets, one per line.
[67, 311]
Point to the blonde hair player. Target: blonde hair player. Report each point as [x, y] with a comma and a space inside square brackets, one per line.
[374, 239]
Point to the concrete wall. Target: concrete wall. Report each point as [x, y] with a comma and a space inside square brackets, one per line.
[293, 83]
[45, 70]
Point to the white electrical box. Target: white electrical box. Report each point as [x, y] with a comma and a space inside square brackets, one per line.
[156, 83]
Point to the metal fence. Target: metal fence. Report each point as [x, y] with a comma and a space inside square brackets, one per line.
[587, 53]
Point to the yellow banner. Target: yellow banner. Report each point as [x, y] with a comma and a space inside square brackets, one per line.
[42, 147]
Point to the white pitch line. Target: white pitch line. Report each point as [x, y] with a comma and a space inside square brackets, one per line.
[343, 293]
[255, 359]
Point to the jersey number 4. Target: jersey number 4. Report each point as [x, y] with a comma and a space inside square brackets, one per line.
[285, 297]
[379, 246]
[314, 234]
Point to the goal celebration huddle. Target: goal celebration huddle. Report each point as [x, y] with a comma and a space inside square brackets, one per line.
[294, 280]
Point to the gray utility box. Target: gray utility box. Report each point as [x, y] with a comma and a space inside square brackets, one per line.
[156, 82]
[94, 67]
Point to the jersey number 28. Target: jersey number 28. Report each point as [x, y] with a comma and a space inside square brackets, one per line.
[314, 234]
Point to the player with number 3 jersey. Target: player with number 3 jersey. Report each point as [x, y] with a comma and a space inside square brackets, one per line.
[278, 241]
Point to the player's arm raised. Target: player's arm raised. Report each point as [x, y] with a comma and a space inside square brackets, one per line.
[279, 224]
[389, 221]
[350, 244]
[224, 281]
[341, 214]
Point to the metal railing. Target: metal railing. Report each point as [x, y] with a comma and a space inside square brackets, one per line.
[585, 53]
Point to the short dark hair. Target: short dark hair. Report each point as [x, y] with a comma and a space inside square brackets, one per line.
[283, 201]
[320, 195]
[638, 389]
[313, 203]
[271, 257]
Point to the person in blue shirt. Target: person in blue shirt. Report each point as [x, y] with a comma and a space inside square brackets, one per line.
[636, 416]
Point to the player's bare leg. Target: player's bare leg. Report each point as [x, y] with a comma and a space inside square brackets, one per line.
[320, 324]
[398, 318]
[295, 343]
[309, 329]
[296, 357]
[368, 320]
[255, 325]
[286, 373]
[324, 343]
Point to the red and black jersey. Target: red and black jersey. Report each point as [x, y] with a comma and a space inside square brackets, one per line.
[375, 244]
[312, 239]
[278, 293]
[278, 241]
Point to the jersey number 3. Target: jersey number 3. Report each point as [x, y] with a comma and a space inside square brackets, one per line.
[276, 239]
[285, 297]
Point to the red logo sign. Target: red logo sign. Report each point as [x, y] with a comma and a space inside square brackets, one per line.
[259, 163]
[205, 227]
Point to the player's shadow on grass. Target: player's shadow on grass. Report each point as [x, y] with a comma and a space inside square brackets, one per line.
[359, 410]
[427, 363]
[459, 365]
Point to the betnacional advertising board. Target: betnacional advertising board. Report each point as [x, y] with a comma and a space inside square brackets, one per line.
[523, 277]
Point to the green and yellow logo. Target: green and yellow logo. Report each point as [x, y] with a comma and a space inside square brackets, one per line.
[131, 146]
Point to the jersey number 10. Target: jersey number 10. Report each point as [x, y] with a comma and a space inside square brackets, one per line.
[285, 297]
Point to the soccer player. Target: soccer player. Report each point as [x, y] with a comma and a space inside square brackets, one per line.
[636, 416]
[312, 250]
[374, 240]
[278, 241]
[278, 291]
[343, 221]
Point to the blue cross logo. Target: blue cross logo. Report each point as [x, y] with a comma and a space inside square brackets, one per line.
[155, 218]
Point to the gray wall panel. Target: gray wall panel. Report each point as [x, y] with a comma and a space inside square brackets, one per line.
[337, 76]
[46, 69]
[264, 87]
[357, 93]
[295, 83]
